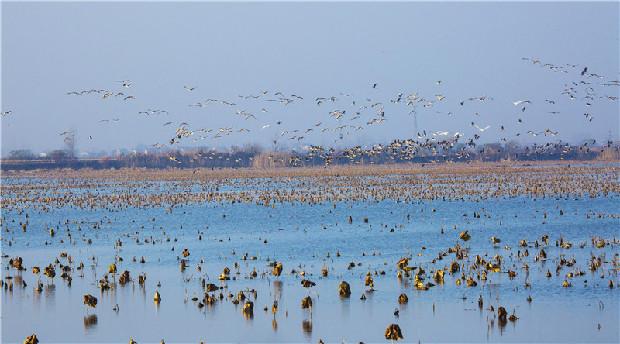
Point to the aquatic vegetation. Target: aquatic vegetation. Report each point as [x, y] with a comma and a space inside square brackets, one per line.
[502, 314]
[307, 283]
[438, 276]
[32, 339]
[248, 308]
[344, 289]
[277, 269]
[306, 302]
[403, 299]
[393, 332]
[90, 300]
[368, 280]
[232, 265]
[464, 235]
[16, 263]
[50, 272]
[124, 278]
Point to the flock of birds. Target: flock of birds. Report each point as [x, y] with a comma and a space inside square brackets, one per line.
[346, 115]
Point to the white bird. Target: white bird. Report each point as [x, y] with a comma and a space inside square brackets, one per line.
[337, 113]
[481, 129]
[189, 88]
[266, 126]
[375, 121]
[516, 103]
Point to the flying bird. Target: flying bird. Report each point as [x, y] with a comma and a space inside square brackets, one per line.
[125, 83]
[516, 103]
[481, 129]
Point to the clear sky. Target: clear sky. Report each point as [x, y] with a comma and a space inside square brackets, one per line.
[308, 49]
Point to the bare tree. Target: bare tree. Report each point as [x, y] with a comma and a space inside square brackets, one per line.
[21, 154]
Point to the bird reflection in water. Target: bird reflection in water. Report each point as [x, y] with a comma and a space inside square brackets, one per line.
[90, 321]
[50, 289]
[274, 325]
[306, 326]
[277, 290]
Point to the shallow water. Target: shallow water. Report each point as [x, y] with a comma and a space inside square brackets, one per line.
[301, 236]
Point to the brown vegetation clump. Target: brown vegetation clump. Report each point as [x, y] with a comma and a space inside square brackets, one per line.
[32, 339]
[248, 308]
[408, 182]
[124, 278]
[277, 269]
[393, 332]
[306, 302]
[502, 314]
[307, 283]
[403, 299]
[16, 263]
[344, 289]
[90, 300]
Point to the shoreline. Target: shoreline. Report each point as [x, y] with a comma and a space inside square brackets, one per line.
[330, 171]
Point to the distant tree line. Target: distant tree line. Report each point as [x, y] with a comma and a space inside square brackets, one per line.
[254, 156]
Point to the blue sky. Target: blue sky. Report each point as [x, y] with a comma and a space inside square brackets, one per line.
[309, 49]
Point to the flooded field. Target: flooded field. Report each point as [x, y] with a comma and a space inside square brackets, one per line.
[481, 253]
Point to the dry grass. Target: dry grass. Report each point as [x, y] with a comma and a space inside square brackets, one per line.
[140, 174]
[406, 183]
